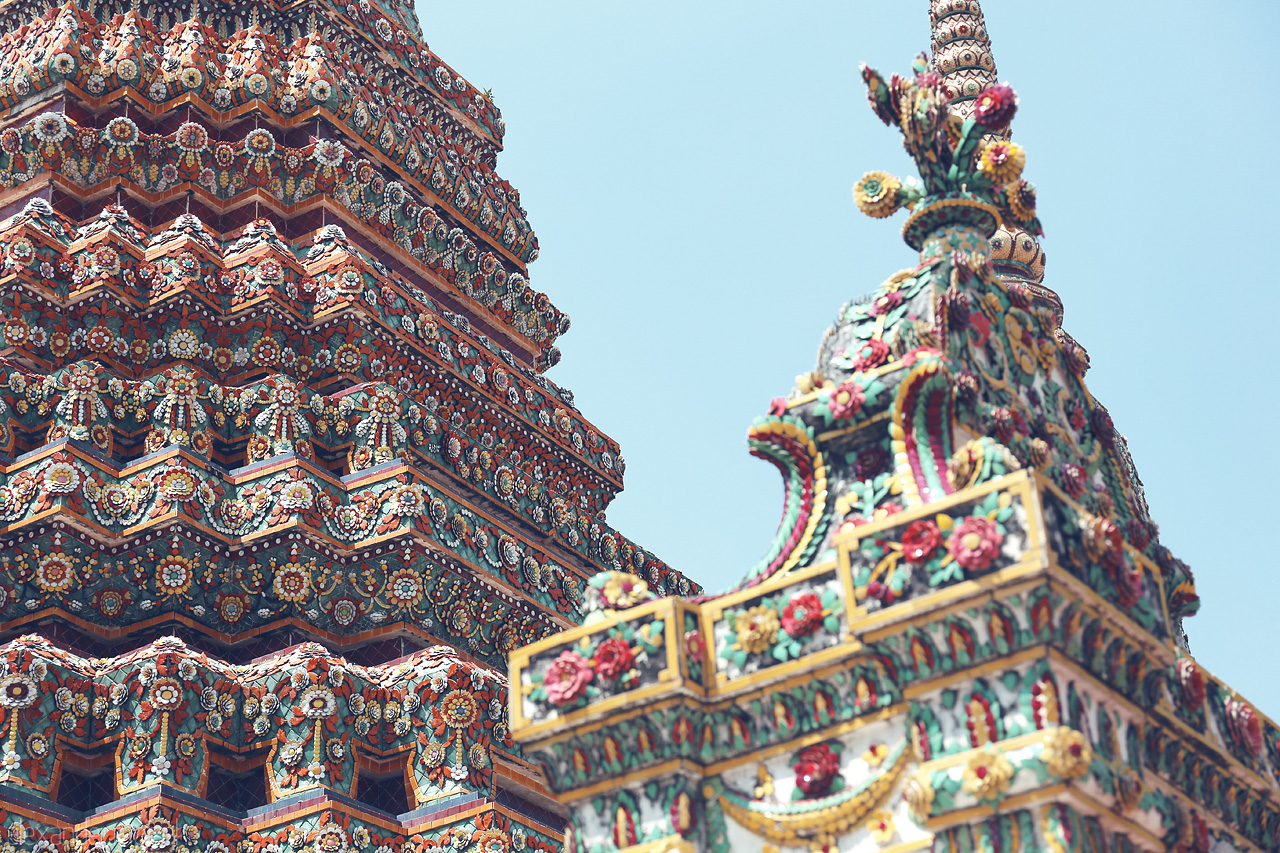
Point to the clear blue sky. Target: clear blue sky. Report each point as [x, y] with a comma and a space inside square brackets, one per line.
[687, 166]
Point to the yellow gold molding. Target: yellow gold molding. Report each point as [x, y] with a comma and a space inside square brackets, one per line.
[930, 617]
[1017, 801]
[670, 844]
[895, 614]
[716, 606]
[908, 846]
[1018, 482]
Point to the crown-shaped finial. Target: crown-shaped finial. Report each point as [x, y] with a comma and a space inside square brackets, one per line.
[961, 51]
[965, 163]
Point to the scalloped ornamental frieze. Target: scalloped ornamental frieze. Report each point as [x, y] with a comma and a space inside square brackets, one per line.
[397, 57]
[1195, 708]
[164, 706]
[347, 518]
[460, 432]
[799, 696]
[178, 574]
[714, 732]
[48, 240]
[477, 450]
[437, 172]
[1134, 745]
[219, 288]
[352, 514]
[589, 757]
[714, 735]
[1089, 642]
[530, 329]
[178, 408]
[51, 256]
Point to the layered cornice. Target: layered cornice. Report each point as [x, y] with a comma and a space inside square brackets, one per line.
[328, 317]
[440, 245]
[350, 539]
[383, 39]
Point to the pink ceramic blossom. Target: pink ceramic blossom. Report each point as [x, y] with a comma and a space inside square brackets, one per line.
[975, 543]
[567, 678]
[846, 400]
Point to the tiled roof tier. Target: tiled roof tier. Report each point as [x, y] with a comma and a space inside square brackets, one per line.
[390, 519]
[403, 161]
[228, 37]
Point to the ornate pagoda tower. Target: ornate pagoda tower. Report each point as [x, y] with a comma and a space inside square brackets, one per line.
[281, 482]
[966, 636]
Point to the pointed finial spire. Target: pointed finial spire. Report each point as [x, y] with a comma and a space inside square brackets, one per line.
[961, 49]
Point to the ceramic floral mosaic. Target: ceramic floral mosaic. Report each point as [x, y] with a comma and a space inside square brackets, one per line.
[282, 483]
[965, 634]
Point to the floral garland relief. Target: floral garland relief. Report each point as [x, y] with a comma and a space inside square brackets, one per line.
[943, 547]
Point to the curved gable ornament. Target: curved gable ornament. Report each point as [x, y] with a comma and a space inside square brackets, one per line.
[808, 821]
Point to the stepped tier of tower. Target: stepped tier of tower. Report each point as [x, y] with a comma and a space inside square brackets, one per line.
[304, 389]
[281, 482]
[306, 120]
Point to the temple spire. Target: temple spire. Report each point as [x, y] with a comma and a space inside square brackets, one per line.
[961, 49]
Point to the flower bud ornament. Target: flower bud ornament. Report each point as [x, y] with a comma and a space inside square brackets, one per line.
[877, 194]
[1002, 161]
